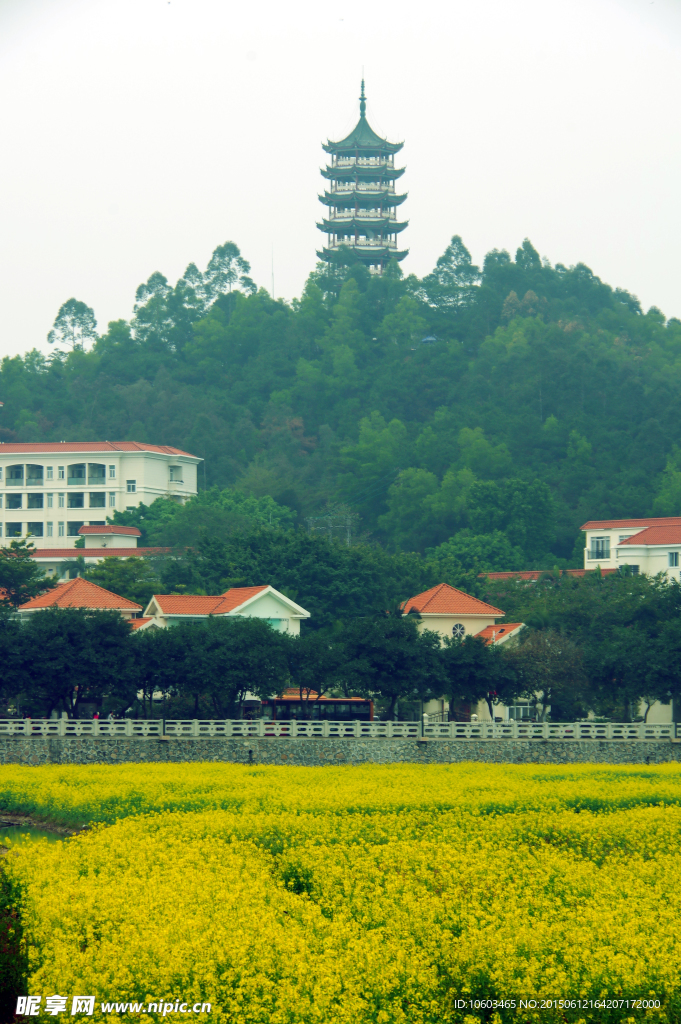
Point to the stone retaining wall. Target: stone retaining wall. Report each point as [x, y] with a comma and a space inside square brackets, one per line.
[306, 751]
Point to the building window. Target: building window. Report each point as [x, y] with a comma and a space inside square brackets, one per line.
[634, 570]
[458, 630]
[0, 529]
[600, 547]
[131, 486]
[34, 501]
[13, 501]
[98, 500]
[76, 474]
[13, 530]
[49, 471]
[96, 522]
[673, 559]
[15, 475]
[176, 474]
[0, 472]
[34, 529]
[73, 528]
[50, 500]
[34, 476]
[61, 501]
[60, 529]
[49, 529]
[76, 500]
[0, 500]
[60, 472]
[112, 499]
[96, 473]
[520, 712]
[112, 472]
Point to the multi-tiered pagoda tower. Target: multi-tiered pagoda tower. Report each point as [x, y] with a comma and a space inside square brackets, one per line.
[360, 197]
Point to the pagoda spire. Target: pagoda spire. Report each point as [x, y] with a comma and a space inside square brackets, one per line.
[360, 221]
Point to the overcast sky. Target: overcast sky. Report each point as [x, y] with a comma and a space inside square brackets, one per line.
[139, 134]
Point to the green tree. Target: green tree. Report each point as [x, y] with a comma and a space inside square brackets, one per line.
[315, 664]
[74, 325]
[487, 552]
[227, 268]
[550, 671]
[138, 579]
[472, 671]
[62, 658]
[21, 577]
[451, 284]
[388, 657]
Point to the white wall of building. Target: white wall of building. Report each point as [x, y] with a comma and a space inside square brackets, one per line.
[49, 495]
[444, 624]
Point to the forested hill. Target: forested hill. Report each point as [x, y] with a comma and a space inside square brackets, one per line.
[494, 409]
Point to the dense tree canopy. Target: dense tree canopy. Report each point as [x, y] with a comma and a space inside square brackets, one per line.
[517, 398]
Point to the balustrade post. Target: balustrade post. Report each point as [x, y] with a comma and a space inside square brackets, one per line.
[195, 727]
[128, 726]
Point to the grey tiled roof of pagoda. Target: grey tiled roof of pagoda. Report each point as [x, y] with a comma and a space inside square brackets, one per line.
[363, 136]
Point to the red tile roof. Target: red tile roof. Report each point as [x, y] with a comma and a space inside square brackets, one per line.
[497, 634]
[655, 535]
[136, 623]
[628, 524]
[194, 604]
[52, 553]
[446, 600]
[80, 593]
[70, 447]
[534, 574]
[127, 531]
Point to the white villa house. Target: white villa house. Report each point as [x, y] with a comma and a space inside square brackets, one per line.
[47, 488]
[647, 546]
[263, 602]
[453, 613]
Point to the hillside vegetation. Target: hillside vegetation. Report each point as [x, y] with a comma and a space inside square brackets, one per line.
[488, 410]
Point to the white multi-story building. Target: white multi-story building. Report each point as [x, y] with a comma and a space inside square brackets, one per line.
[647, 546]
[48, 490]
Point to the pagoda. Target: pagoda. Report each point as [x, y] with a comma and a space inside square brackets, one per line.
[360, 198]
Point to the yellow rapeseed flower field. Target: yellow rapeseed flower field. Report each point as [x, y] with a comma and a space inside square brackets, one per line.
[404, 893]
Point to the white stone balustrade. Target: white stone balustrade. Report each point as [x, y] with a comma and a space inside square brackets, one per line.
[360, 730]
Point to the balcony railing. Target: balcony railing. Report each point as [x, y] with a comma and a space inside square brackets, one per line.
[362, 187]
[362, 161]
[363, 243]
[363, 215]
[599, 554]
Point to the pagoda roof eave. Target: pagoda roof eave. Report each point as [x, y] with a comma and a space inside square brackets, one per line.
[357, 171]
[362, 137]
[391, 227]
[374, 252]
[337, 199]
[370, 198]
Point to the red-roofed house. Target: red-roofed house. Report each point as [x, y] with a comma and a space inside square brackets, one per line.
[80, 593]
[648, 546]
[500, 634]
[451, 612]
[263, 602]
